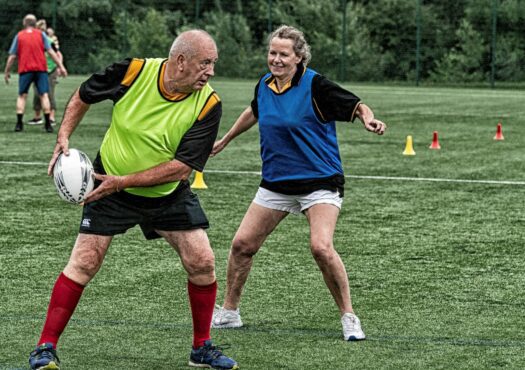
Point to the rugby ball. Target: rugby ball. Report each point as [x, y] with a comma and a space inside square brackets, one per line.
[74, 176]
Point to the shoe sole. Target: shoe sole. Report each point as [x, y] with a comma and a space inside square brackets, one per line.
[353, 338]
[226, 326]
[33, 123]
[205, 366]
[51, 366]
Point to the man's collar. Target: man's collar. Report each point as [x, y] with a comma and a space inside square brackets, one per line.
[175, 96]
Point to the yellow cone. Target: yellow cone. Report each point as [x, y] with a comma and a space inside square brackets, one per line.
[409, 148]
[198, 181]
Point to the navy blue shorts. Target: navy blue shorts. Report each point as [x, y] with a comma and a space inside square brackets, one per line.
[39, 78]
[118, 212]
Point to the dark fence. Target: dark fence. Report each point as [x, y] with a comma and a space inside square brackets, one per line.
[415, 41]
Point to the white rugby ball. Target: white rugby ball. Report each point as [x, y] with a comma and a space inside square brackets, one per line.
[74, 176]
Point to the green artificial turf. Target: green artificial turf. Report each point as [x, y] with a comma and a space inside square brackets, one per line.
[436, 266]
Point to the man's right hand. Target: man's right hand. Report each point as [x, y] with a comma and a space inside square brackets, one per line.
[62, 146]
[62, 71]
[7, 76]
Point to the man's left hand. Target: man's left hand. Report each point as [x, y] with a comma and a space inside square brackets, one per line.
[109, 185]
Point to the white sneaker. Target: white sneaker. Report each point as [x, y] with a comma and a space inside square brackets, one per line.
[223, 318]
[352, 327]
[35, 121]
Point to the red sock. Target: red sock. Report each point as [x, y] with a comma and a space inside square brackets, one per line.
[64, 299]
[202, 302]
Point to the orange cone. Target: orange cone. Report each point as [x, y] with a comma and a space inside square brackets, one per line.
[435, 142]
[499, 133]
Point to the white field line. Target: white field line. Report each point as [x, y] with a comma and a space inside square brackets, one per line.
[495, 182]
[24, 163]
[392, 178]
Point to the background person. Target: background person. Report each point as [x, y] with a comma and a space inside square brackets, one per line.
[143, 165]
[301, 169]
[29, 47]
[52, 77]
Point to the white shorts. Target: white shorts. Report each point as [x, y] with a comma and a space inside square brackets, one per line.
[296, 203]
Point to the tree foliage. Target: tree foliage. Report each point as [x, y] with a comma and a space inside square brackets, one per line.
[379, 43]
[462, 62]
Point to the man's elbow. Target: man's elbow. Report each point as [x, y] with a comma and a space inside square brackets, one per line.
[185, 176]
[182, 170]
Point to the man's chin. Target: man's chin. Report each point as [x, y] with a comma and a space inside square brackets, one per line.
[199, 85]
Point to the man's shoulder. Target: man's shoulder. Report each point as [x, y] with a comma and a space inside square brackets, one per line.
[211, 101]
[135, 66]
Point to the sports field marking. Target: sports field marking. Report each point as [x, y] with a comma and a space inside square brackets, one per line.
[496, 182]
[359, 177]
[24, 163]
[400, 178]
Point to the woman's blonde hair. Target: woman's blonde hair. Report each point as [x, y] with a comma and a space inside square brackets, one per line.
[41, 24]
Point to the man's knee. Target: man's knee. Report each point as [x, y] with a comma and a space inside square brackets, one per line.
[85, 262]
[87, 257]
[203, 265]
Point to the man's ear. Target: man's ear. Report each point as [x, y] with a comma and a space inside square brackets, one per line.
[181, 61]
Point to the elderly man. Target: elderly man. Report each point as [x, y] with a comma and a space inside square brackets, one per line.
[164, 122]
[29, 46]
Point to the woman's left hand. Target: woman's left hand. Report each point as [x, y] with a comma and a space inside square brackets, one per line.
[376, 126]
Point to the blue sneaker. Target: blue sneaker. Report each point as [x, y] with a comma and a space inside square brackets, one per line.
[211, 357]
[44, 357]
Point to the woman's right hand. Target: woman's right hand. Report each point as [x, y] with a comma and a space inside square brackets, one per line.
[218, 146]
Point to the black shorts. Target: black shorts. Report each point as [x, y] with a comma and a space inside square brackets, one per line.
[118, 212]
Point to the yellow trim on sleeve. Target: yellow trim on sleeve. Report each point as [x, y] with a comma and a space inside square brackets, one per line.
[352, 117]
[133, 71]
[318, 110]
[212, 102]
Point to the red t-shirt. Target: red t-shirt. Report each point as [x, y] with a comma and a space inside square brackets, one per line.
[31, 51]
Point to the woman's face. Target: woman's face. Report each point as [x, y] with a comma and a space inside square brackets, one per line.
[282, 60]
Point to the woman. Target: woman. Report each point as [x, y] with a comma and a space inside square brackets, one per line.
[301, 169]
[52, 73]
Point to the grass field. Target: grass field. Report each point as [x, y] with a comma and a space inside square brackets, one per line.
[436, 264]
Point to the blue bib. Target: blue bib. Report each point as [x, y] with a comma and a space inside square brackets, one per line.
[295, 145]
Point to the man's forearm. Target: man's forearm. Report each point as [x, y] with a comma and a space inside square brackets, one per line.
[10, 60]
[163, 173]
[55, 58]
[75, 111]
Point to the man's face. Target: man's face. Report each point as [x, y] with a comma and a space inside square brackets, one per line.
[196, 71]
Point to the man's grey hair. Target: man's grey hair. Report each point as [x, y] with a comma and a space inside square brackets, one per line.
[300, 46]
[29, 20]
[187, 43]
